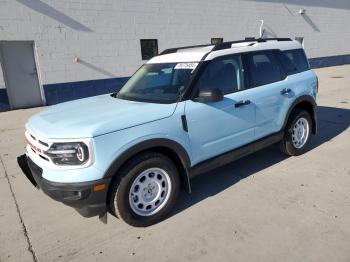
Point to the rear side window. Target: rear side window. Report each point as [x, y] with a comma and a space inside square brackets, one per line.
[287, 64]
[263, 68]
[298, 58]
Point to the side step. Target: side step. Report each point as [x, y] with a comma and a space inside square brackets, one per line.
[235, 154]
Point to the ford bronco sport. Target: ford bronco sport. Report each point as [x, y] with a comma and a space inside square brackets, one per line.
[184, 112]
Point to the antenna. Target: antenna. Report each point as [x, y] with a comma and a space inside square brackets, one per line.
[262, 30]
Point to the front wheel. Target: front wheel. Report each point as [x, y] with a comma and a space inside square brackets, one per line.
[145, 190]
[297, 133]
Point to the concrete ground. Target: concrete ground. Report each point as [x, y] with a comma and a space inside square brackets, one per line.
[265, 207]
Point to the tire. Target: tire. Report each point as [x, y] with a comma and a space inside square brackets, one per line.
[290, 143]
[152, 177]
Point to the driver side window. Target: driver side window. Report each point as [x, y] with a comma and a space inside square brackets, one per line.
[224, 73]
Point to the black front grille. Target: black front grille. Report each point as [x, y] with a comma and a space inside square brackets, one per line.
[43, 143]
[45, 158]
[36, 170]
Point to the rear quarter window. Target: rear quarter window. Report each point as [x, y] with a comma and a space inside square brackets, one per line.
[298, 58]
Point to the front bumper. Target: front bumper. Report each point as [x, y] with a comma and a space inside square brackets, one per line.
[81, 196]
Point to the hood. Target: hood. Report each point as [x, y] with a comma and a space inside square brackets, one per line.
[95, 116]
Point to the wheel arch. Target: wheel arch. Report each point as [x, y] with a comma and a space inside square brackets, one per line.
[167, 147]
[307, 103]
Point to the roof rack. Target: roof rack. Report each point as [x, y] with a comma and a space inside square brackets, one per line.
[175, 49]
[225, 45]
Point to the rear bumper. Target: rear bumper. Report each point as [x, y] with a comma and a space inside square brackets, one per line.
[80, 196]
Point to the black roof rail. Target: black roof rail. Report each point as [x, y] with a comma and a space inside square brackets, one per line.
[174, 50]
[277, 39]
[224, 45]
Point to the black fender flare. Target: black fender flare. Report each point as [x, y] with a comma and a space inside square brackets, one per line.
[169, 144]
[304, 98]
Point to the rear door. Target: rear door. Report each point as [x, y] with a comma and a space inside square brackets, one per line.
[271, 90]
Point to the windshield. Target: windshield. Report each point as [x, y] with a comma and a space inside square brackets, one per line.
[158, 83]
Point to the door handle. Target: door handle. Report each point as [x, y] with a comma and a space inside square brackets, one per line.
[286, 91]
[242, 103]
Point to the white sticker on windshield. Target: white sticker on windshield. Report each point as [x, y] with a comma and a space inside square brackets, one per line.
[186, 66]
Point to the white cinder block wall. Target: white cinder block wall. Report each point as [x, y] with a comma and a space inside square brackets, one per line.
[105, 34]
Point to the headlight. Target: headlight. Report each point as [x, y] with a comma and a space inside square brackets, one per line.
[75, 153]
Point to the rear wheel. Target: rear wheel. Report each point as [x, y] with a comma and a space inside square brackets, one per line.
[145, 190]
[297, 133]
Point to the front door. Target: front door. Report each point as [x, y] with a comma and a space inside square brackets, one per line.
[20, 74]
[218, 127]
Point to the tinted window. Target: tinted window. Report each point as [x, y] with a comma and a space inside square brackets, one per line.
[224, 73]
[158, 83]
[215, 41]
[149, 48]
[298, 58]
[287, 64]
[263, 68]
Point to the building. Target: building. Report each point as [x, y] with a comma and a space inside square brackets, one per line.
[53, 51]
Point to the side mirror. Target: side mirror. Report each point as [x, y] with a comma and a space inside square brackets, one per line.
[210, 95]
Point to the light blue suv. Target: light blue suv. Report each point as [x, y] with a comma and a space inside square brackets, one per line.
[184, 112]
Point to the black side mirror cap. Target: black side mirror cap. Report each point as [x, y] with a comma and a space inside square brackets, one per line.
[210, 95]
